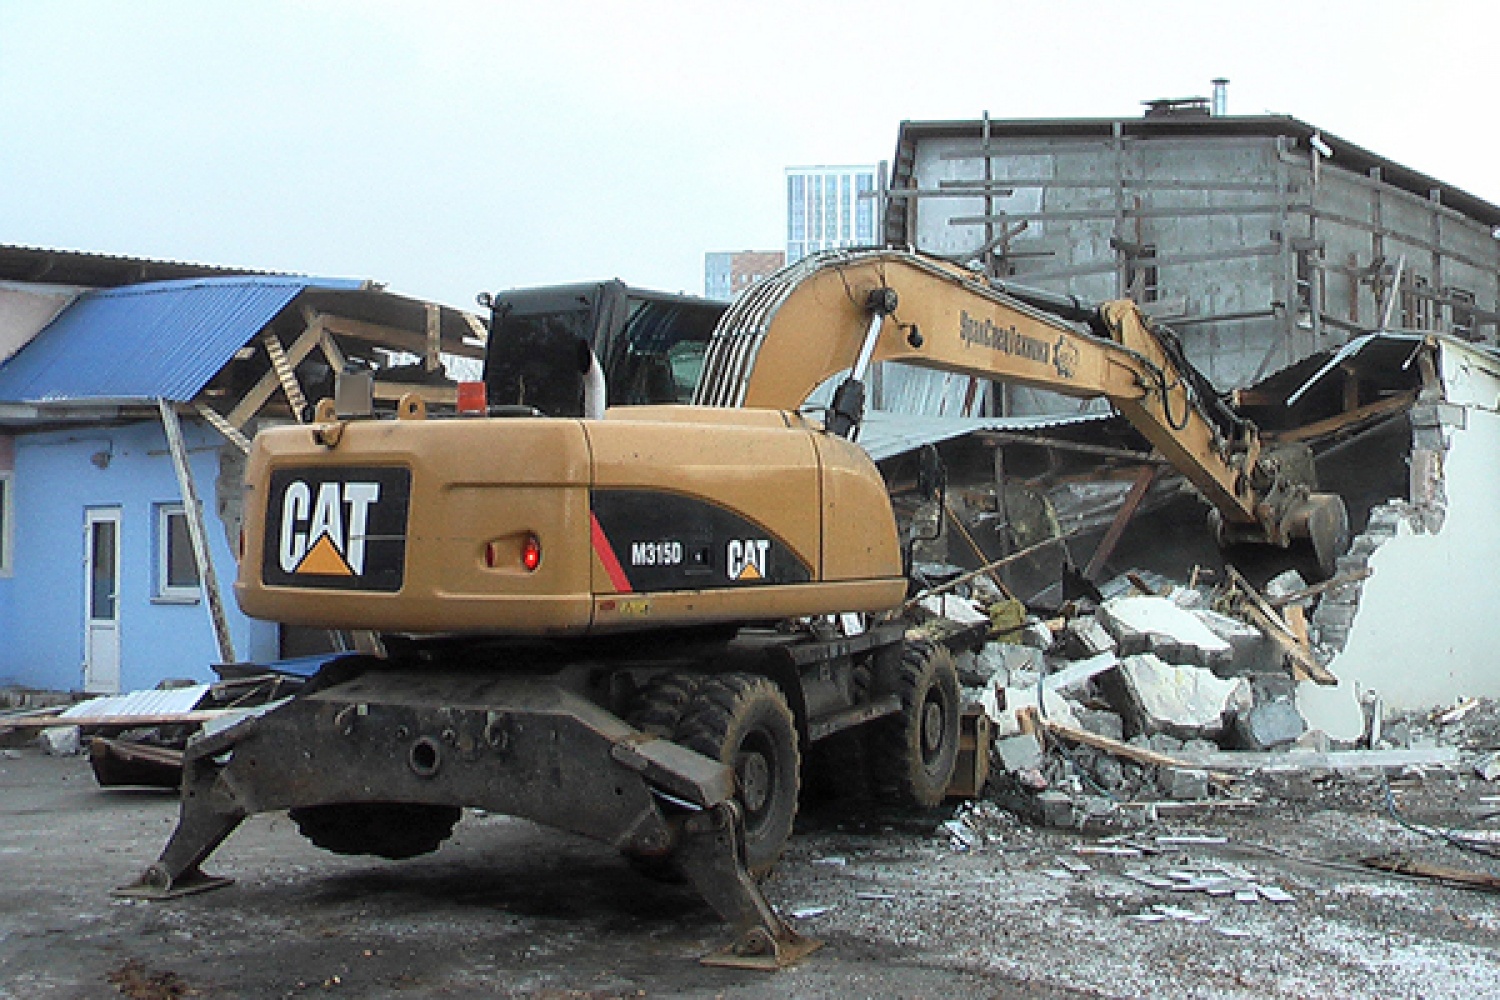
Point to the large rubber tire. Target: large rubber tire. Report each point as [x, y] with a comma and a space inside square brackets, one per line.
[394, 830]
[915, 750]
[743, 720]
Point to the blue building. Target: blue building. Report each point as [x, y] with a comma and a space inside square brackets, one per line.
[124, 425]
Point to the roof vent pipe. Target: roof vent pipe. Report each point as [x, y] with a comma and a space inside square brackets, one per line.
[1221, 97]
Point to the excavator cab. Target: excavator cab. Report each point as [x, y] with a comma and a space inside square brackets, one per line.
[649, 345]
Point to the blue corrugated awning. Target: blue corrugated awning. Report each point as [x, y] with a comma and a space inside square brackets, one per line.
[164, 339]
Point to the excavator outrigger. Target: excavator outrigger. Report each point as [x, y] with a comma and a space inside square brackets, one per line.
[629, 623]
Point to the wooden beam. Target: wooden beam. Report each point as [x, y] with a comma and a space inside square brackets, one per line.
[1304, 666]
[1340, 421]
[216, 420]
[393, 338]
[1016, 437]
[285, 373]
[1138, 491]
[208, 581]
[432, 357]
[263, 390]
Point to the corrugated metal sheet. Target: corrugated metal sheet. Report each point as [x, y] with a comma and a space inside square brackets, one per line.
[173, 701]
[886, 435]
[163, 339]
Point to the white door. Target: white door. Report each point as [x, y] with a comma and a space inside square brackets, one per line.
[101, 583]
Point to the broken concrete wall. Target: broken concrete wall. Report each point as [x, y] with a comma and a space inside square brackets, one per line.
[1422, 629]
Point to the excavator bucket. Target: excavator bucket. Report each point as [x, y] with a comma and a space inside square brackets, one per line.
[1323, 520]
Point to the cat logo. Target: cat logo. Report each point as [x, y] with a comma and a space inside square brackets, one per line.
[747, 559]
[325, 534]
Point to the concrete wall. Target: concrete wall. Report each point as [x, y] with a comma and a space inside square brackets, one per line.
[58, 475]
[1421, 634]
[1265, 253]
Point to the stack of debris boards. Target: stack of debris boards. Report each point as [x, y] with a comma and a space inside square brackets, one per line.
[1147, 702]
[138, 738]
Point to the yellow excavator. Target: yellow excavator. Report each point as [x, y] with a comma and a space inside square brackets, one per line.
[631, 622]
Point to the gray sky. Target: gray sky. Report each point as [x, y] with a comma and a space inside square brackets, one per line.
[448, 148]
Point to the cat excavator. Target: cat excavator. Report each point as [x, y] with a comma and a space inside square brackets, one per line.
[632, 622]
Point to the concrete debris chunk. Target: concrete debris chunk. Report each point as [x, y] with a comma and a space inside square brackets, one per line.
[1284, 585]
[1268, 725]
[1073, 678]
[1184, 784]
[1020, 752]
[1142, 624]
[1085, 637]
[955, 609]
[1037, 634]
[1101, 722]
[1251, 649]
[1002, 705]
[60, 741]
[1185, 702]
[1488, 767]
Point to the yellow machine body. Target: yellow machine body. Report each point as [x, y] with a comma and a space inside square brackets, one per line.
[653, 517]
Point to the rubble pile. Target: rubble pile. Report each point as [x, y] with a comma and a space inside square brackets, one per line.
[1160, 699]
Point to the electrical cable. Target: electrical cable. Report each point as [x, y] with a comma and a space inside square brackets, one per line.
[1447, 836]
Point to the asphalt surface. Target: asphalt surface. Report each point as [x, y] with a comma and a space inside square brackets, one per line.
[905, 909]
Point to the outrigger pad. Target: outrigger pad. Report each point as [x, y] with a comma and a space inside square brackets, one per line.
[712, 856]
[154, 884]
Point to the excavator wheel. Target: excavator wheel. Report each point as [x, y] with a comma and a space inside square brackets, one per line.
[744, 721]
[916, 749]
[395, 830]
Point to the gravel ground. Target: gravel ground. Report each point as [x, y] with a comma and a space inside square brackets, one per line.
[905, 908]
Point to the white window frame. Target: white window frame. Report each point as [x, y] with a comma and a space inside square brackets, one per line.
[163, 592]
[8, 520]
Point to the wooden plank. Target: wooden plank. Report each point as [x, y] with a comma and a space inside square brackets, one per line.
[1138, 490]
[1304, 665]
[1342, 580]
[1440, 873]
[115, 721]
[1116, 748]
[208, 580]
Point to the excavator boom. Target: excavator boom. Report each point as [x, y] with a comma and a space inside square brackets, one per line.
[842, 311]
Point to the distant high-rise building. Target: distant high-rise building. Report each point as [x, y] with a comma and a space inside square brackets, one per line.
[831, 207]
[725, 275]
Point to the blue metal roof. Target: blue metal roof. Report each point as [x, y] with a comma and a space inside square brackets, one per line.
[162, 339]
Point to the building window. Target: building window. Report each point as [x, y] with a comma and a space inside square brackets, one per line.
[864, 210]
[176, 566]
[7, 515]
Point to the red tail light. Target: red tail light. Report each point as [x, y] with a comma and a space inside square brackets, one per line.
[531, 553]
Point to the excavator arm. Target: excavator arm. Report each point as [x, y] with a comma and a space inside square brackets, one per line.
[845, 311]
